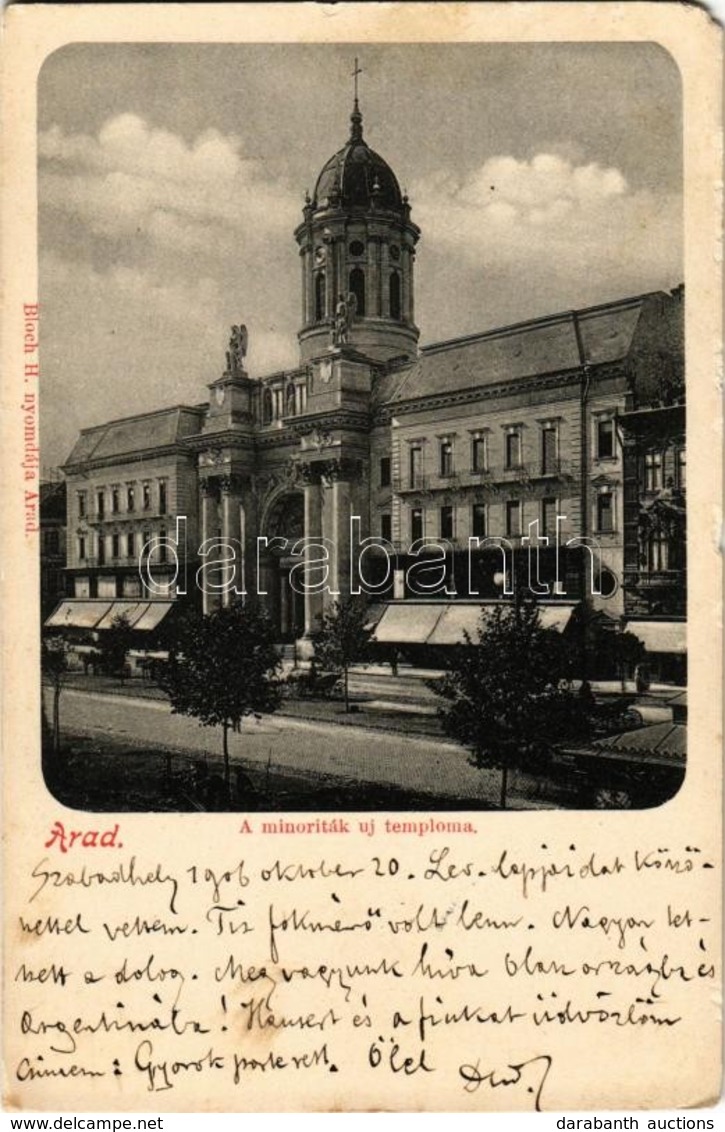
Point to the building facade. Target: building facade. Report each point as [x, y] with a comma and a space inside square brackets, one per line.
[53, 508]
[655, 521]
[451, 459]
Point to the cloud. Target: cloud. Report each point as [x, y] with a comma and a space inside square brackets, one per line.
[127, 339]
[512, 213]
[545, 179]
[187, 196]
[152, 247]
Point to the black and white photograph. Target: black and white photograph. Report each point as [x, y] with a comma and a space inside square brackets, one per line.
[355, 584]
[362, 427]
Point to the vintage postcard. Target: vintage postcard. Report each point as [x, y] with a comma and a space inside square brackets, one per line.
[361, 590]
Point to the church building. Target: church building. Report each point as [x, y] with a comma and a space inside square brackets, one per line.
[470, 466]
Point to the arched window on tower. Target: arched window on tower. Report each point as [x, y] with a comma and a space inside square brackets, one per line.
[267, 408]
[319, 296]
[395, 295]
[357, 288]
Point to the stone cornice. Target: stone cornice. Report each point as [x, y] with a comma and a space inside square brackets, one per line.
[277, 438]
[224, 438]
[81, 467]
[343, 469]
[351, 419]
[516, 387]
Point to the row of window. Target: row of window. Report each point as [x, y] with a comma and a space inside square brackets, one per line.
[479, 455]
[654, 471]
[661, 552]
[130, 587]
[512, 515]
[132, 497]
[121, 546]
[356, 286]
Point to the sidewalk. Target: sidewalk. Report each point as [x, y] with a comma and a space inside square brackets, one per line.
[375, 688]
[375, 708]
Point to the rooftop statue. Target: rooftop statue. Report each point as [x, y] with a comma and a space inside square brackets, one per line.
[237, 351]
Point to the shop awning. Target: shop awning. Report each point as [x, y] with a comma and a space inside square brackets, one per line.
[660, 636]
[409, 623]
[456, 620]
[555, 616]
[374, 613]
[444, 623]
[131, 610]
[90, 613]
[78, 614]
[153, 615]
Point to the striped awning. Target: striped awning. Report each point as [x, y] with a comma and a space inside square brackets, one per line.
[445, 623]
[153, 615]
[131, 610]
[78, 614]
[92, 613]
[408, 623]
[454, 621]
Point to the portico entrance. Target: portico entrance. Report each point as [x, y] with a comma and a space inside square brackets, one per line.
[285, 602]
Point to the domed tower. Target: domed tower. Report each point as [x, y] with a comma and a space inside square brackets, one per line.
[357, 244]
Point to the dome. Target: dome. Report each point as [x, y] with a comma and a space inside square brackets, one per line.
[357, 177]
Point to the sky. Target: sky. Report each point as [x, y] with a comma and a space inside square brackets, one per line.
[544, 177]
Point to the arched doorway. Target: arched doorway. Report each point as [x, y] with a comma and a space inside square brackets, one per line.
[285, 522]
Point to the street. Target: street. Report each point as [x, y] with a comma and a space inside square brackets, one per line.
[280, 745]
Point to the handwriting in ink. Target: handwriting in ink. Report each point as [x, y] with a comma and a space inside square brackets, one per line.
[126, 874]
[509, 1076]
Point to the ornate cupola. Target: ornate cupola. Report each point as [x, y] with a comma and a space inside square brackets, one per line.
[357, 247]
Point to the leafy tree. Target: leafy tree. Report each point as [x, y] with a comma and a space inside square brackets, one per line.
[507, 694]
[628, 653]
[223, 667]
[114, 644]
[54, 665]
[344, 639]
[604, 650]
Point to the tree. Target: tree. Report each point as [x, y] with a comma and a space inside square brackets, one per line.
[610, 652]
[223, 667]
[343, 640]
[114, 644]
[54, 665]
[507, 693]
[629, 652]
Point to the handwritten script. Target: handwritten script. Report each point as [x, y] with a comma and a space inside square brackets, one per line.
[482, 970]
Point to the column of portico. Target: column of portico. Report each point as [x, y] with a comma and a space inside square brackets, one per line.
[338, 524]
[313, 530]
[231, 536]
[208, 531]
[249, 535]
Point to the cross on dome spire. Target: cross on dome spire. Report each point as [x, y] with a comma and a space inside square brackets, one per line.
[356, 116]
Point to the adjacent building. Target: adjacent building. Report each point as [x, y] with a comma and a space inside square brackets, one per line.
[655, 515]
[52, 543]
